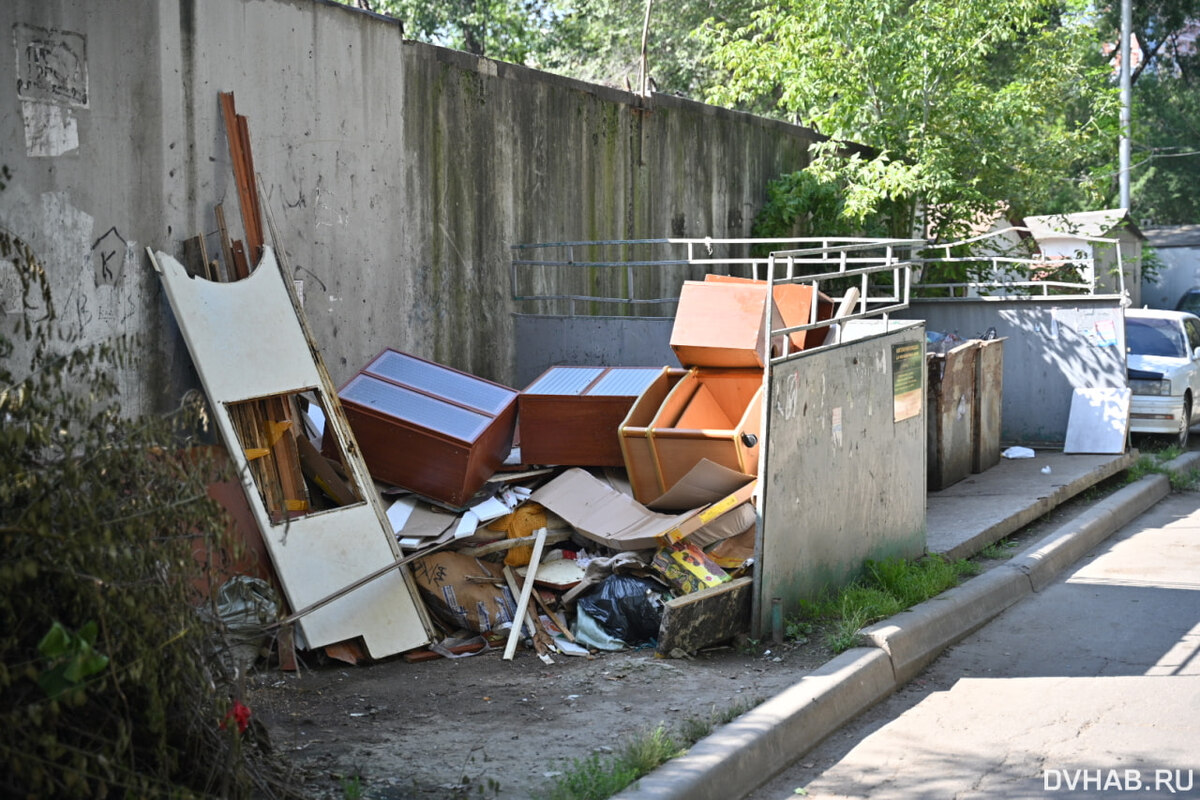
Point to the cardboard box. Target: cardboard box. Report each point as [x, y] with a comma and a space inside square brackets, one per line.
[686, 568]
[571, 416]
[428, 428]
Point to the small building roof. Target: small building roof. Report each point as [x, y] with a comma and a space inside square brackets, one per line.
[1174, 236]
[1082, 223]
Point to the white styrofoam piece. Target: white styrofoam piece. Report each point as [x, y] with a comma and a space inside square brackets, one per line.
[247, 341]
[399, 512]
[1099, 421]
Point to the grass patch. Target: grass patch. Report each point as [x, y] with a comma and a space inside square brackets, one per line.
[1154, 462]
[886, 588]
[1005, 548]
[600, 776]
[1187, 481]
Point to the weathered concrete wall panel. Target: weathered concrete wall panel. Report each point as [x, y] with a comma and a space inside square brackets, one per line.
[399, 173]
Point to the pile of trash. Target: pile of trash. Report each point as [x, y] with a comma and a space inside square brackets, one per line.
[599, 508]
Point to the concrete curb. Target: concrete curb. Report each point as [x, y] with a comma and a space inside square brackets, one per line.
[748, 750]
[915, 637]
[742, 755]
[1073, 540]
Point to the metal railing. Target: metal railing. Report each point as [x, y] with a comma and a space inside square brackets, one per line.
[618, 263]
[859, 265]
[1033, 267]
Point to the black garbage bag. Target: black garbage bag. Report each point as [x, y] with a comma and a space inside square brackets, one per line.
[629, 608]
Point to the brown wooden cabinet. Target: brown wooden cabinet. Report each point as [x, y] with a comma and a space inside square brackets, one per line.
[429, 428]
[571, 416]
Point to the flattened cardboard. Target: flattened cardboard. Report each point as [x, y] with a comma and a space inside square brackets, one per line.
[705, 483]
[617, 521]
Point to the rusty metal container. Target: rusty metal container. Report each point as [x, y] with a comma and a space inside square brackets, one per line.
[951, 412]
[989, 394]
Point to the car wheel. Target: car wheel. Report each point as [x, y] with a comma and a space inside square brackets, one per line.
[1185, 424]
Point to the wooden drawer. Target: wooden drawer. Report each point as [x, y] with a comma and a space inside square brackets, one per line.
[429, 428]
[709, 413]
[571, 416]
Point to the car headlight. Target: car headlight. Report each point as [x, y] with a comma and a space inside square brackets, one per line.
[1150, 387]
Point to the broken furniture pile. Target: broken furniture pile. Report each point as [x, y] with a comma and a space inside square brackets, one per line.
[624, 495]
[602, 507]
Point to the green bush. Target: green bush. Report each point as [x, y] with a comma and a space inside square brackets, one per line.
[110, 681]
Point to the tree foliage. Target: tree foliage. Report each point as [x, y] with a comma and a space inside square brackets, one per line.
[1166, 110]
[508, 30]
[600, 41]
[964, 103]
[109, 681]
[1165, 169]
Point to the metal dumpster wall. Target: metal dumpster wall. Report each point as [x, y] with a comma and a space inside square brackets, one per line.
[1054, 345]
[842, 481]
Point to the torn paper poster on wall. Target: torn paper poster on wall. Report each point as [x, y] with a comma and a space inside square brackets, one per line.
[51, 81]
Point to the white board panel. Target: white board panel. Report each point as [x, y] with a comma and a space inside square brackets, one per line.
[247, 341]
[1099, 421]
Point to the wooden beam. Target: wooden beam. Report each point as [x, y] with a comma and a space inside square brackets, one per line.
[523, 603]
[505, 544]
[237, 134]
[226, 246]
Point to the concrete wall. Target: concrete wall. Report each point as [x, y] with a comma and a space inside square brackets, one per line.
[399, 173]
[843, 479]
[1053, 346]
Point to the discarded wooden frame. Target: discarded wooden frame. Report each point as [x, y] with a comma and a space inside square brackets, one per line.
[249, 343]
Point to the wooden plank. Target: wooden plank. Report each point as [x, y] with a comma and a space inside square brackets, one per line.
[506, 544]
[241, 265]
[256, 240]
[559, 623]
[194, 257]
[705, 617]
[526, 590]
[226, 245]
[282, 441]
[238, 137]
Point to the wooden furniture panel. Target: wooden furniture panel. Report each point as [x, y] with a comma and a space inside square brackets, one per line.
[429, 428]
[721, 410]
[571, 416]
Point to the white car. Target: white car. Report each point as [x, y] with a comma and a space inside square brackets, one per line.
[1163, 359]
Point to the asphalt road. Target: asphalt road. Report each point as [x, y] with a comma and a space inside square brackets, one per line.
[1090, 688]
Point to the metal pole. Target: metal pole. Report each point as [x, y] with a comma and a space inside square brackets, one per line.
[1126, 128]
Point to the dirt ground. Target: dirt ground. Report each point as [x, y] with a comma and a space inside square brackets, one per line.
[485, 727]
